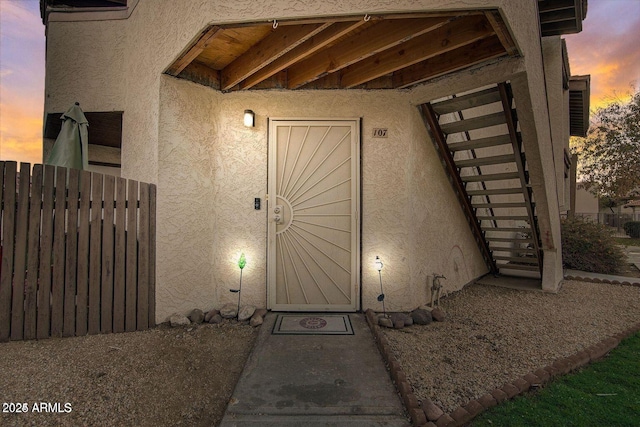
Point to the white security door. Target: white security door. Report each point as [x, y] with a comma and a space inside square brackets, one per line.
[314, 231]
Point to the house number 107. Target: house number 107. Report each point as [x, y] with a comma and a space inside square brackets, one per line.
[379, 132]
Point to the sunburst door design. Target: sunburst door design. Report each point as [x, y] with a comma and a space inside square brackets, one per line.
[313, 216]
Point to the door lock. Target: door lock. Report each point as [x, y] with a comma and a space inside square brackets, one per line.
[277, 217]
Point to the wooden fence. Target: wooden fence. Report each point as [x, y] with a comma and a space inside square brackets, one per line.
[77, 253]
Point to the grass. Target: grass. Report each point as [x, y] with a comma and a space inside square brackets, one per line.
[627, 241]
[605, 393]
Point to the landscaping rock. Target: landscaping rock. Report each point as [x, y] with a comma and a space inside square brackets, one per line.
[229, 310]
[196, 316]
[256, 321]
[421, 316]
[260, 312]
[398, 319]
[431, 410]
[386, 322]
[177, 319]
[215, 319]
[246, 311]
[438, 315]
[210, 314]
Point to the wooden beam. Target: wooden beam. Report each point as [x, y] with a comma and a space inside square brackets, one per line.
[306, 49]
[198, 72]
[378, 37]
[192, 53]
[449, 62]
[451, 36]
[501, 30]
[266, 51]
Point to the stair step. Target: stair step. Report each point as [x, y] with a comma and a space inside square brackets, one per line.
[482, 161]
[490, 177]
[506, 230]
[494, 192]
[476, 99]
[504, 218]
[508, 240]
[513, 250]
[499, 205]
[474, 123]
[492, 141]
[520, 259]
[527, 267]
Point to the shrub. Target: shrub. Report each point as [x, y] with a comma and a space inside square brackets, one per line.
[590, 247]
[632, 228]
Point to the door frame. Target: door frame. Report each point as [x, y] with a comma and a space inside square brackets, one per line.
[356, 220]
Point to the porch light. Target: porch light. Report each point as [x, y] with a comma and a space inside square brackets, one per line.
[249, 118]
[379, 265]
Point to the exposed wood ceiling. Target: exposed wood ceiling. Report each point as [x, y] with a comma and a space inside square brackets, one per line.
[558, 17]
[379, 51]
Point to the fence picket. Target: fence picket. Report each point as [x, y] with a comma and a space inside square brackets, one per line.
[33, 244]
[82, 295]
[69, 327]
[106, 304]
[132, 257]
[120, 255]
[94, 254]
[20, 261]
[57, 287]
[143, 259]
[46, 242]
[8, 244]
[77, 255]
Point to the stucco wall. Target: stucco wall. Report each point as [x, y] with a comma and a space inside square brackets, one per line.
[190, 140]
[212, 167]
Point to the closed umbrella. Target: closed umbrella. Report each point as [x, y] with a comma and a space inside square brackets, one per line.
[71, 147]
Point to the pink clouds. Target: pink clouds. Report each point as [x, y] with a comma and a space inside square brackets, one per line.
[21, 80]
[608, 48]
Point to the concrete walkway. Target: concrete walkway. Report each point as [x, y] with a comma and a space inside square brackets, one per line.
[315, 380]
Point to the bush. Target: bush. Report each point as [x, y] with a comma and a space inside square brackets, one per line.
[590, 247]
[632, 228]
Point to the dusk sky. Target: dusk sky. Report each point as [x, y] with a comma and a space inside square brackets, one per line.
[608, 48]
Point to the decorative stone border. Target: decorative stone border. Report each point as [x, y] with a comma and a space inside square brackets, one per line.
[631, 282]
[428, 414]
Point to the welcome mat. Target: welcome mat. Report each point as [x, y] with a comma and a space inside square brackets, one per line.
[312, 324]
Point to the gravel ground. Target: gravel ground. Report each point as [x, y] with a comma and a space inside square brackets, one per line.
[494, 335]
[160, 377]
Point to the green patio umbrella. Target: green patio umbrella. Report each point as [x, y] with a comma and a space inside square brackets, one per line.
[71, 147]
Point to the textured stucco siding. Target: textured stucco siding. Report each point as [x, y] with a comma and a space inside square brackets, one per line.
[190, 141]
[212, 168]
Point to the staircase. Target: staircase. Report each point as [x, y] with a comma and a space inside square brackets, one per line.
[476, 136]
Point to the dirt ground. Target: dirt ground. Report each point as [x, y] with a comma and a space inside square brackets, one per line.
[494, 335]
[160, 377]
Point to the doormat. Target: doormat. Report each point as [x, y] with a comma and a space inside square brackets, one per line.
[312, 324]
